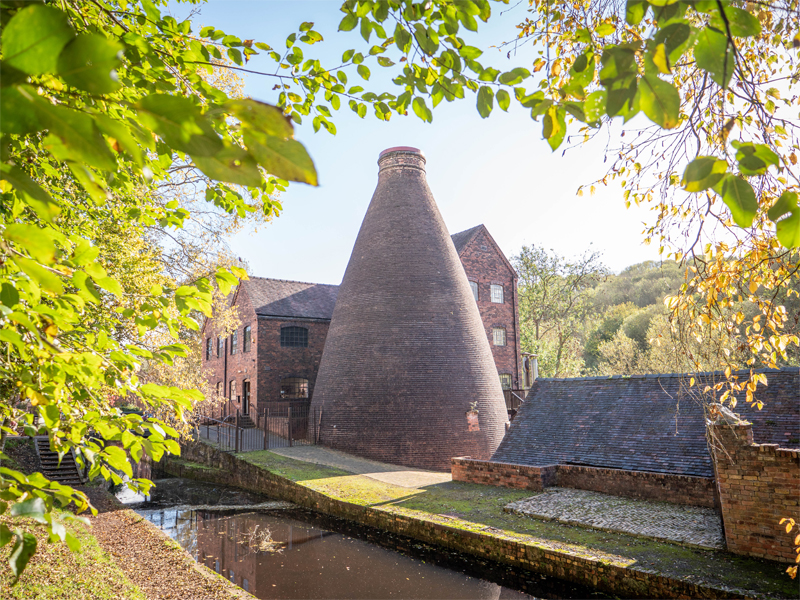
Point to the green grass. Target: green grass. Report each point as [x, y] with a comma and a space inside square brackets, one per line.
[56, 573]
[477, 507]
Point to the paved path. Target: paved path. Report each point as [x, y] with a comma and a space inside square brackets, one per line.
[402, 476]
[688, 525]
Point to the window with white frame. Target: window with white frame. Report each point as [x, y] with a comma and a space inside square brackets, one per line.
[497, 293]
[499, 336]
[474, 286]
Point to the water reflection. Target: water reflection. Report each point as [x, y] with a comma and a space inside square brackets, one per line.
[304, 561]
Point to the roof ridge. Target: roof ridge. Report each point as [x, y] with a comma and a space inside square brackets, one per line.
[249, 277]
[664, 375]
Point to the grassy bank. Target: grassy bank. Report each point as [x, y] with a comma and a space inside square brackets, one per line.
[480, 508]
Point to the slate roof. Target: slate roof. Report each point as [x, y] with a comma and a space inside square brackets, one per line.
[462, 238]
[638, 423]
[281, 298]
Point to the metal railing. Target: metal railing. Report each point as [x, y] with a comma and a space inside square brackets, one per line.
[278, 425]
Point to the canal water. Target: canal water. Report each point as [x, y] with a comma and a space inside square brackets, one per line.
[293, 553]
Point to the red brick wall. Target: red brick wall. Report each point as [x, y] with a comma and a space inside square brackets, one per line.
[758, 486]
[678, 489]
[276, 363]
[485, 472]
[485, 264]
[240, 366]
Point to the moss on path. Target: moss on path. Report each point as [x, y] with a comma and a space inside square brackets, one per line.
[480, 508]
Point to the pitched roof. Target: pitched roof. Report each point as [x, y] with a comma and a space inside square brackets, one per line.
[638, 423]
[281, 298]
[462, 238]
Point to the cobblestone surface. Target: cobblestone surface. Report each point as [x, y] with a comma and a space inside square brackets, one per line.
[687, 525]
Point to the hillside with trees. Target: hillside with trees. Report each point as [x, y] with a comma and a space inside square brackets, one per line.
[581, 319]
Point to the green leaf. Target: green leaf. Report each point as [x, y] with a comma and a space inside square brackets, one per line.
[786, 215]
[287, 159]
[33, 239]
[741, 22]
[605, 29]
[121, 132]
[88, 63]
[34, 37]
[676, 38]
[349, 22]
[118, 459]
[363, 71]
[660, 101]
[9, 295]
[503, 99]
[595, 106]
[485, 101]
[31, 193]
[740, 198]
[110, 285]
[470, 52]
[5, 534]
[180, 124]
[702, 173]
[31, 509]
[554, 126]
[233, 165]
[17, 108]
[51, 415]
[39, 274]
[421, 110]
[754, 159]
[514, 76]
[10, 76]
[80, 139]
[261, 117]
[635, 11]
[24, 548]
[714, 55]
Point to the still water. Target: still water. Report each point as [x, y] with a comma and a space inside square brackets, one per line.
[297, 554]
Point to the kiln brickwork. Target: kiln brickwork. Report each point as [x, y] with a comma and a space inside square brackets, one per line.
[487, 266]
[406, 355]
[758, 486]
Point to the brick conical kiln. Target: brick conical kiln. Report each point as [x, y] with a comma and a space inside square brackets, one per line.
[407, 375]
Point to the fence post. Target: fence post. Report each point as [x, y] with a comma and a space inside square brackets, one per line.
[266, 435]
[290, 425]
[237, 430]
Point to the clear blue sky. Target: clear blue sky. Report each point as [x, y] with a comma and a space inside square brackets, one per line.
[497, 171]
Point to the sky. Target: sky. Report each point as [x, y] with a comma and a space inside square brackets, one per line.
[497, 171]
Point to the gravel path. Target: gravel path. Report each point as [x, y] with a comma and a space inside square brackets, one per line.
[687, 525]
[152, 561]
[396, 475]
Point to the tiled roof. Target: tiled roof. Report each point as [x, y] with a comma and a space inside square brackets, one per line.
[462, 238]
[281, 298]
[638, 423]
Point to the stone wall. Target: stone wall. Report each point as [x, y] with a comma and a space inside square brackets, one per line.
[514, 550]
[758, 486]
[678, 489]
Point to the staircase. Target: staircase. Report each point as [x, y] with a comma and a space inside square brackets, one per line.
[245, 422]
[65, 473]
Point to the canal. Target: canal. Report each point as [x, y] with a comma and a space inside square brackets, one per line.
[283, 551]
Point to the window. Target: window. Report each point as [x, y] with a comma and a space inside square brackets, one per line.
[234, 341]
[497, 293]
[209, 347]
[505, 381]
[294, 337]
[233, 390]
[294, 388]
[219, 388]
[246, 340]
[233, 577]
[499, 336]
[246, 585]
[220, 347]
[474, 286]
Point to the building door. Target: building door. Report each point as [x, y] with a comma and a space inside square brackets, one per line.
[246, 397]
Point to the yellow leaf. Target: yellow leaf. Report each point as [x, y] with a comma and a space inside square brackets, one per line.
[753, 287]
[660, 59]
[788, 528]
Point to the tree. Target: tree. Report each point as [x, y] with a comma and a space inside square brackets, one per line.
[554, 304]
[105, 109]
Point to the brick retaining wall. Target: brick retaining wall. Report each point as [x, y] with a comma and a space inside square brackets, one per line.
[665, 487]
[514, 550]
[758, 486]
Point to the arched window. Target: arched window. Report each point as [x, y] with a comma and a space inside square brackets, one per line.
[294, 388]
[220, 346]
[233, 390]
[247, 339]
[294, 337]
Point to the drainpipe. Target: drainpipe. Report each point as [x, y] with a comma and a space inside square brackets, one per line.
[225, 371]
[516, 329]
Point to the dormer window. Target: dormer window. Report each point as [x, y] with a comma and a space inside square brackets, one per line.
[497, 293]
